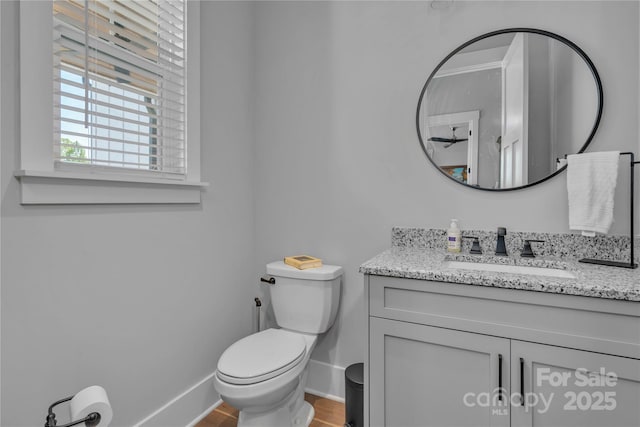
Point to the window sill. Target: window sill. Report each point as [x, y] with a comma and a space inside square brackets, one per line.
[70, 188]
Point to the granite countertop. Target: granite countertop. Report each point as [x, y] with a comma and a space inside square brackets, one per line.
[425, 262]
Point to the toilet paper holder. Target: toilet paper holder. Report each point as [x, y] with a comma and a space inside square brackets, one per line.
[91, 420]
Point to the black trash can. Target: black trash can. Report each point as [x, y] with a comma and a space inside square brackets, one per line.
[353, 396]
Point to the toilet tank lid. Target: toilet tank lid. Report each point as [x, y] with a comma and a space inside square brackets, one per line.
[326, 272]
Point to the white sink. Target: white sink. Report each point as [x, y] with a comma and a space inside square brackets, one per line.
[510, 268]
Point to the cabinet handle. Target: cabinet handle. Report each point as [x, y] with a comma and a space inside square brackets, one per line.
[499, 377]
[521, 381]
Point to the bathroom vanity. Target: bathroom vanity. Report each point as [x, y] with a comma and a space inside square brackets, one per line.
[472, 347]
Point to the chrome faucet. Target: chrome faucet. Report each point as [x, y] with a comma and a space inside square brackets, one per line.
[501, 248]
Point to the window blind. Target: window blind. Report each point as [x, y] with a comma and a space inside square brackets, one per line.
[119, 84]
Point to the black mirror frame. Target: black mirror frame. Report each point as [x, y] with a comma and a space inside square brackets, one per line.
[569, 43]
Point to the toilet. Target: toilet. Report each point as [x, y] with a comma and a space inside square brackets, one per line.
[264, 375]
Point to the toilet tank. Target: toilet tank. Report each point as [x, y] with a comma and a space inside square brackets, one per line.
[305, 300]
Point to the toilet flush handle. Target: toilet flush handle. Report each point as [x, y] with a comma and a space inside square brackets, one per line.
[268, 279]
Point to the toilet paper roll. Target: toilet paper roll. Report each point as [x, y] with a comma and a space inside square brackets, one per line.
[91, 399]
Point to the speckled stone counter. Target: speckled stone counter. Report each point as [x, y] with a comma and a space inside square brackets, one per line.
[419, 254]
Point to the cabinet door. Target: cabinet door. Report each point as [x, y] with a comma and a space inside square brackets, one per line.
[427, 376]
[565, 387]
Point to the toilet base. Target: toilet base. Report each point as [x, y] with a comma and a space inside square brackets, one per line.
[278, 418]
[296, 412]
[305, 415]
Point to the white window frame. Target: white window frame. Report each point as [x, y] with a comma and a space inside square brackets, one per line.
[40, 181]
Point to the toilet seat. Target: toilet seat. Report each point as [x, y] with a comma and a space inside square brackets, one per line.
[261, 356]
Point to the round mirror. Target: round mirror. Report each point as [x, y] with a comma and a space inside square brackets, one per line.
[503, 110]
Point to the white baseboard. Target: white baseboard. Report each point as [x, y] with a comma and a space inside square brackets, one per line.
[206, 412]
[192, 405]
[326, 380]
[199, 399]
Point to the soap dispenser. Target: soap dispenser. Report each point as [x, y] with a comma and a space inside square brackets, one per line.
[454, 237]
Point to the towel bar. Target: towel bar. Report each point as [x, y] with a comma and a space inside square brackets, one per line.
[631, 263]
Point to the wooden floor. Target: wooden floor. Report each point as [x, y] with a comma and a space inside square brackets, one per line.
[329, 413]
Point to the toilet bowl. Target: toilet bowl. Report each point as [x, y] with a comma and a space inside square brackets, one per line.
[264, 374]
[271, 394]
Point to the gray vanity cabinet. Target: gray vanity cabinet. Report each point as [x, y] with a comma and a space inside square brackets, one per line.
[440, 352]
[419, 372]
[573, 397]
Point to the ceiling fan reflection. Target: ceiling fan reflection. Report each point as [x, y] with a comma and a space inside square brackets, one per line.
[449, 141]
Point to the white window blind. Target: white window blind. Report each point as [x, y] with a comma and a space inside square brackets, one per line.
[119, 84]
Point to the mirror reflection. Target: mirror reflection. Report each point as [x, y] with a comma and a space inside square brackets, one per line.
[502, 112]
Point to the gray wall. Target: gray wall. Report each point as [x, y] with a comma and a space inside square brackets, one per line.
[337, 157]
[139, 299]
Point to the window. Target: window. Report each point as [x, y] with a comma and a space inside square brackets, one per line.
[119, 84]
[123, 100]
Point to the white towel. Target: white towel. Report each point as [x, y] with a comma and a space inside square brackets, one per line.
[591, 184]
